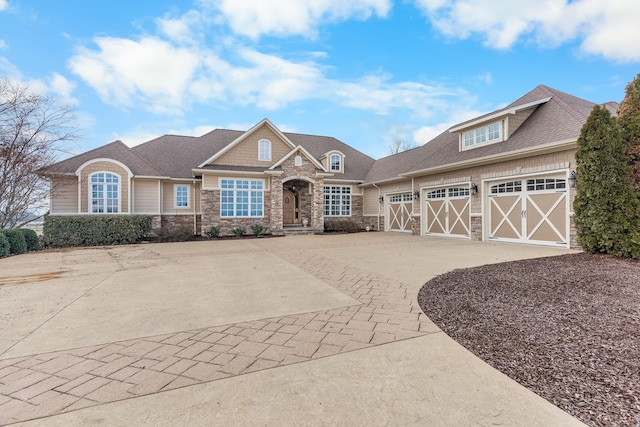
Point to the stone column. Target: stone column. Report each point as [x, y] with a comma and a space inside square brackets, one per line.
[275, 223]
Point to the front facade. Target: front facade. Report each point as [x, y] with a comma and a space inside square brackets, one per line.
[505, 176]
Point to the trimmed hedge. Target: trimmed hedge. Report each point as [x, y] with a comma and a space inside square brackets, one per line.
[31, 238]
[17, 244]
[4, 246]
[99, 230]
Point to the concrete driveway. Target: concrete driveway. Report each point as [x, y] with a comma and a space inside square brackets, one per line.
[309, 330]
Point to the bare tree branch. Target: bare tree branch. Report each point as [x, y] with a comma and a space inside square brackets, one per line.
[32, 130]
[399, 145]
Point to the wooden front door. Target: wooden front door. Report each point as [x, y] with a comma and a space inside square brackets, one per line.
[288, 207]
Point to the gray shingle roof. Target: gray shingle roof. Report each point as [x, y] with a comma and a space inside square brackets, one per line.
[559, 119]
[115, 150]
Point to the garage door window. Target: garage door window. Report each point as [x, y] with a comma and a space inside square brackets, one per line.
[540, 184]
[437, 194]
[401, 198]
[459, 192]
[507, 187]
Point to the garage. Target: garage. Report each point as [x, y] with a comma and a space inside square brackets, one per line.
[447, 212]
[399, 207]
[529, 210]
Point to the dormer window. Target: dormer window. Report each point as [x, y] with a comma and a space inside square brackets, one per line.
[264, 150]
[482, 135]
[336, 162]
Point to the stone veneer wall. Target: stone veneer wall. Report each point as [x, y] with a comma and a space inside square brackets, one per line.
[171, 224]
[210, 202]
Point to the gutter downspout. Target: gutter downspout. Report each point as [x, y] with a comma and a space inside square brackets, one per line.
[378, 205]
[195, 214]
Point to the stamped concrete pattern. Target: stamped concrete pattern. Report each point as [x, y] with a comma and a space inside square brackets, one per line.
[380, 311]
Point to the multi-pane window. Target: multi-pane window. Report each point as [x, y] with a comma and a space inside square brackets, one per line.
[335, 162]
[401, 198]
[264, 150]
[182, 196]
[458, 191]
[437, 194]
[337, 200]
[105, 193]
[482, 135]
[540, 184]
[241, 198]
[507, 187]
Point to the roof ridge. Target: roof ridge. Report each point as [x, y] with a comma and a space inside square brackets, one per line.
[558, 96]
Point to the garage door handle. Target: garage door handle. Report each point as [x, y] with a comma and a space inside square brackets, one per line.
[524, 214]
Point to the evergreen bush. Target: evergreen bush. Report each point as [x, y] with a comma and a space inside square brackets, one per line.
[258, 230]
[17, 244]
[31, 238]
[606, 207]
[629, 120]
[213, 232]
[239, 231]
[4, 246]
[98, 230]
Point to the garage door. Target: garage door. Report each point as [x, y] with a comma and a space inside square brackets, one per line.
[530, 210]
[447, 212]
[399, 207]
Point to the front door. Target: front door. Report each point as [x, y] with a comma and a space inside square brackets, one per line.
[288, 207]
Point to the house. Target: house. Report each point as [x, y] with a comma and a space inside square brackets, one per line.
[504, 176]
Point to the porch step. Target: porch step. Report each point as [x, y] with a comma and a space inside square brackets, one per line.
[299, 231]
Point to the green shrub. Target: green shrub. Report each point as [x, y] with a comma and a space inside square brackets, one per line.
[213, 232]
[258, 230]
[239, 231]
[90, 230]
[31, 238]
[342, 226]
[607, 210]
[17, 244]
[4, 246]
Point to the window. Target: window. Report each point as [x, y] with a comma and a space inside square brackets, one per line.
[458, 191]
[264, 150]
[105, 193]
[241, 198]
[437, 194]
[483, 135]
[182, 196]
[337, 200]
[507, 187]
[336, 162]
[396, 198]
[540, 184]
[298, 161]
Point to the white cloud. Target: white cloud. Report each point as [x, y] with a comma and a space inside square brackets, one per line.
[255, 18]
[121, 69]
[606, 28]
[4, 4]
[62, 87]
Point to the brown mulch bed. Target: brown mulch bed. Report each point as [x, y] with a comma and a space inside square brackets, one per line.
[566, 327]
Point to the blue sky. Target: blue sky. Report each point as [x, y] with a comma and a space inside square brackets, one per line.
[366, 72]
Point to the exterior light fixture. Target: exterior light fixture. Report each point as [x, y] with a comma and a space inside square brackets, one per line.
[381, 198]
[416, 194]
[473, 189]
[573, 179]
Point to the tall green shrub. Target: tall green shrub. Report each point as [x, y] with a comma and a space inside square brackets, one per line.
[98, 230]
[17, 244]
[629, 119]
[31, 238]
[606, 207]
[4, 246]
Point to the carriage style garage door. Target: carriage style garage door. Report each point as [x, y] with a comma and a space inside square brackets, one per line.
[529, 210]
[399, 209]
[446, 212]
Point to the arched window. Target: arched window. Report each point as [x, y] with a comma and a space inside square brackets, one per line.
[104, 192]
[264, 150]
[298, 161]
[336, 162]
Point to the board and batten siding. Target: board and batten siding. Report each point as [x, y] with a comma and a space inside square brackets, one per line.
[64, 198]
[146, 196]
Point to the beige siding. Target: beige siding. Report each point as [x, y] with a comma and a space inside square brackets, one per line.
[64, 195]
[517, 119]
[168, 198]
[371, 202]
[145, 196]
[246, 152]
[209, 181]
[104, 166]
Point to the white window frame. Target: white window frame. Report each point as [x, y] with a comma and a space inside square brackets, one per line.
[105, 193]
[230, 196]
[331, 164]
[175, 195]
[264, 150]
[337, 201]
[484, 135]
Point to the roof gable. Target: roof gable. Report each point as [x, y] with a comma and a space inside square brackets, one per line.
[263, 130]
[305, 153]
